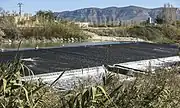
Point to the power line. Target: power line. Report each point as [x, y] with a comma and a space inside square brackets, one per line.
[20, 8]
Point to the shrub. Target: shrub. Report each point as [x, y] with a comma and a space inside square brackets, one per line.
[159, 90]
[48, 30]
[57, 30]
[15, 93]
[9, 28]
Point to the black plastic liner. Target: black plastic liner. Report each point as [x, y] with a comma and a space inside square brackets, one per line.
[84, 56]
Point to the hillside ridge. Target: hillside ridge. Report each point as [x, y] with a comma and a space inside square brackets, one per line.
[109, 14]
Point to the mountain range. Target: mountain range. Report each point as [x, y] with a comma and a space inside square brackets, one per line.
[101, 15]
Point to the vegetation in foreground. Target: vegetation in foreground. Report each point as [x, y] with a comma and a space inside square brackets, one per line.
[160, 90]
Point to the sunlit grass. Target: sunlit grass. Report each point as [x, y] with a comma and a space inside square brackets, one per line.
[159, 90]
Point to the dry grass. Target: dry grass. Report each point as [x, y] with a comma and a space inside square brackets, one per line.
[47, 30]
[159, 90]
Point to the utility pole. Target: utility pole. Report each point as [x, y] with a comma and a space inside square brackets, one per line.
[20, 8]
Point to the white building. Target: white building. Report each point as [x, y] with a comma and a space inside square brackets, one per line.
[82, 24]
[149, 20]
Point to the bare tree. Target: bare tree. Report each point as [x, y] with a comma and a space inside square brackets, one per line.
[113, 17]
[168, 14]
[105, 20]
[86, 19]
[1, 11]
[95, 17]
[91, 17]
[100, 20]
[118, 21]
[110, 21]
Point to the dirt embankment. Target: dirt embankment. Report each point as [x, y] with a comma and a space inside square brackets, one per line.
[158, 33]
[96, 38]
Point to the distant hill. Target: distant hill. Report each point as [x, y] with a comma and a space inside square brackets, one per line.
[98, 15]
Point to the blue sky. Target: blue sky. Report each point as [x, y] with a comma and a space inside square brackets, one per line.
[61, 5]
